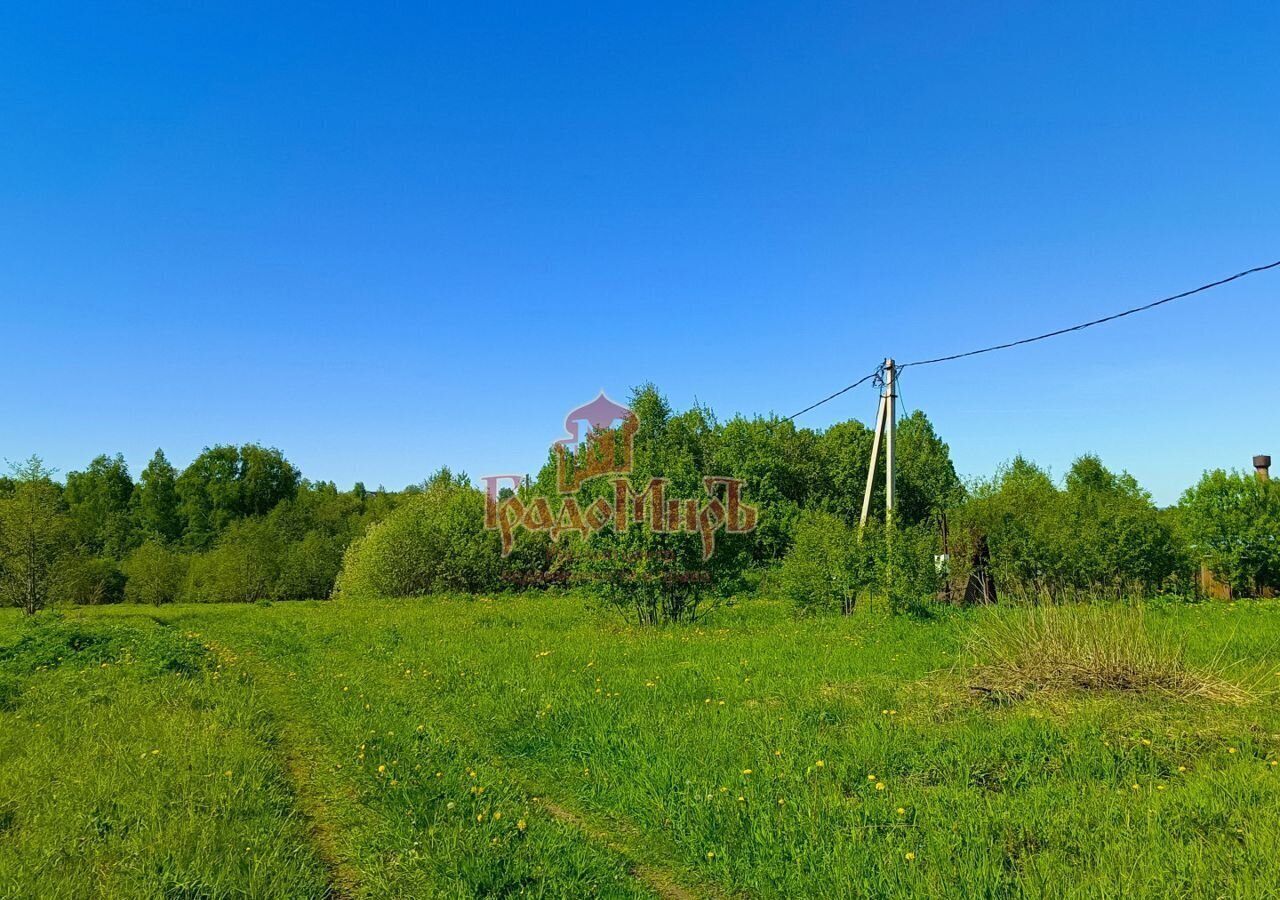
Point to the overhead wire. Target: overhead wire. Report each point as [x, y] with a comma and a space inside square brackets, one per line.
[877, 374]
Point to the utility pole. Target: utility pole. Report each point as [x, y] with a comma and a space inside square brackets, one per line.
[891, 427]
[886, 428]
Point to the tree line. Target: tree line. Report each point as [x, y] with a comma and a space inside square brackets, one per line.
[240, 523]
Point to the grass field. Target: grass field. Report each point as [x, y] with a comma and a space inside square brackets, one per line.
[522, 747]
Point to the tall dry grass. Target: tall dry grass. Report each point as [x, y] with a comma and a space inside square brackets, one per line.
[1090, 648]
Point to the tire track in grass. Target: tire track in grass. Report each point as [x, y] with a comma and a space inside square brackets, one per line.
[655, 879]
[618, 838]
[298, 754]
[322, 829]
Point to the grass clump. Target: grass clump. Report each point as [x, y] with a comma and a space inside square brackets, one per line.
[1088, 648]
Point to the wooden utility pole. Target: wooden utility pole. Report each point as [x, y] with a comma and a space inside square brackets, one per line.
[885, 427]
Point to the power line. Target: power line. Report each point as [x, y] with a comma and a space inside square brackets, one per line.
[1104, 319]
[863, 380]
[1040, 337]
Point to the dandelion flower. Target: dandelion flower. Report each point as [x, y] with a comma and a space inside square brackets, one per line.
[711, 854]
[819, 764]
[497, 816]
[1146, 742]
[910, 856]
[746, 771]
[879, 785]
[381, 769]
[1182, 768]
[521, 825]
[901, 811]
[871, 778]
[1231, 749]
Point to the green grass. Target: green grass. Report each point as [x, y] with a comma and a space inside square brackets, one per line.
[754, 755]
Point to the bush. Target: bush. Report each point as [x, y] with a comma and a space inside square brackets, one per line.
[88, 579]
[906, 573]
[156, 574]
[828, 567]
[309, 567]
[434, 542]
[244, 567]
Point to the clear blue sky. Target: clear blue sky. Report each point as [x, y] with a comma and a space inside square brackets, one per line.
[384, 239]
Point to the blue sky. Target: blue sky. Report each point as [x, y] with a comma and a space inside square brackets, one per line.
[384, 239]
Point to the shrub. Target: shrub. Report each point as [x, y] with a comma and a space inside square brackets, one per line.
[156, 574]
[434, 542]
[906, 572]
[828, 567]
[88, 579]
[309, 567]
[244, 566]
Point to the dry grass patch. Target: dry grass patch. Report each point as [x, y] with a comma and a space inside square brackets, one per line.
[1088, 648]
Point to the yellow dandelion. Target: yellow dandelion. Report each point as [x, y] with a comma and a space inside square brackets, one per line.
[381, 769]
[819, 764]
[910, 856]
[1146, 742]
[497, 816]
[746, 771]
[1182, 768]
[1159, 787]
[1135, 787]
[711, 854]
[901, 811]
[1231, 749]
[871, 778]
[521, 825]
[879, 785]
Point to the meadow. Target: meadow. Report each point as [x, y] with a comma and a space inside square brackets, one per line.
[519, 746]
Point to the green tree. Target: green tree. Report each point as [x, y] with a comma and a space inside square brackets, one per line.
[1232, 522]
[156, 501]
[225, 483]
[98, 503]
[926, 481]
[33, 535]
